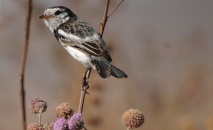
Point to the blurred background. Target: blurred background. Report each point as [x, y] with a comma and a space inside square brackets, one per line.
[164, 46]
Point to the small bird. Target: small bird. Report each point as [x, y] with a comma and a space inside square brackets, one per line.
[81, 41]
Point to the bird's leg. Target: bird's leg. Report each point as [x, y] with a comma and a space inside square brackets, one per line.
[84, 88]
[85, 81]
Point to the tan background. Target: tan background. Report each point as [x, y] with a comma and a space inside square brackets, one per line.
[164, 46]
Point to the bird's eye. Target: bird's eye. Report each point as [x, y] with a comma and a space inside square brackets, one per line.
[57, 12]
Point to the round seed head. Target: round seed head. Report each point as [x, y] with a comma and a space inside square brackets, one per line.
[38, 105]
[64, 110]
[133, 118]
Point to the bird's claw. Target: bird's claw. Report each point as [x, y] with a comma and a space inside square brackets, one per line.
[85, 87]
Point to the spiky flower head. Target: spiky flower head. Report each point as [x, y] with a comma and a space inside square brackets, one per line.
[133, 118]
[60, 124]
[34, 126]
[38, 105]
[75, 122]
[64, 110]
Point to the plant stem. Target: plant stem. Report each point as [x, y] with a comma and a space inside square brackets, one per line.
[23, 65]
[84, 88]
[105, 18]
[39, 117]
[115, 8]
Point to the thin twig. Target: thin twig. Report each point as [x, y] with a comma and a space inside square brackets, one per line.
[105, 18]
[84, 88]
[24, 59]
[115, 8]
[39, 116]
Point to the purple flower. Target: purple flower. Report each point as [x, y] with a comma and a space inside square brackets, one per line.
[75, 122]
[60, 124]
[38, 105]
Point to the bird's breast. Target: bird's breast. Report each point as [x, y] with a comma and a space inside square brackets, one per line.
[81, 56]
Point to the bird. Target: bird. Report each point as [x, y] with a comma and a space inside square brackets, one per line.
[81, 41]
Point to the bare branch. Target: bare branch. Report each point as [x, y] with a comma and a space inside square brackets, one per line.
[84, 88]
[115, 8]
[23, 66]
[103, 23]
[106, 16]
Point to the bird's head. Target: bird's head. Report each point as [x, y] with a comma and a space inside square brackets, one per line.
[57, 15]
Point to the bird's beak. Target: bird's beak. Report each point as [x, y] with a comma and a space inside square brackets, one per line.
[44, 16]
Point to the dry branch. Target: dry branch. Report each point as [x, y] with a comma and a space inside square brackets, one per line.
[23, 65]
[105, 18]
[84, 88]
[115, 8]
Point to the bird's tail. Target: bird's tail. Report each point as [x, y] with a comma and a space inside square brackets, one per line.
[105, 69]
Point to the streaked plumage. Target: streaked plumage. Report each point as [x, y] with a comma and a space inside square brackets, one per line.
[81, 41]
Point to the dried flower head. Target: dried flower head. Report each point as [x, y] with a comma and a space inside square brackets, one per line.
[38, 105]
[64, 110]
[75, 122]
[133, 118]
[60, 124]
[34, 126]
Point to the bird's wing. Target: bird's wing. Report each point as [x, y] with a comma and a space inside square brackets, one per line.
[81, 35]
[87, 44]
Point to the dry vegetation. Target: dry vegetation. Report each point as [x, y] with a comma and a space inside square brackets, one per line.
[169, 81]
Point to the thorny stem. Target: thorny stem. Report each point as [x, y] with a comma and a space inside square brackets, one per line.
[23, 66]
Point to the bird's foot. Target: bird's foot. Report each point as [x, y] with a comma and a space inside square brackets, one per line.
[85, 85]
[85, 81]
